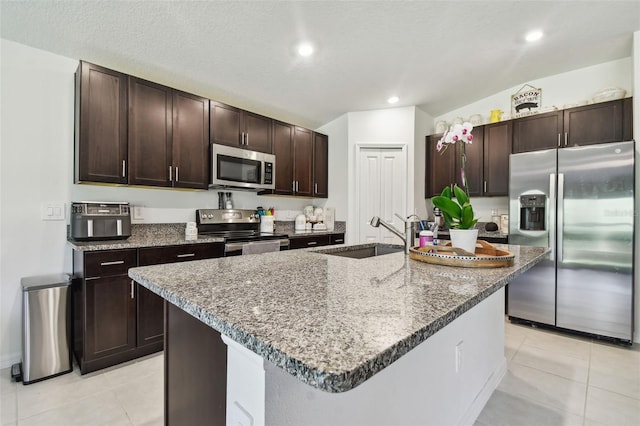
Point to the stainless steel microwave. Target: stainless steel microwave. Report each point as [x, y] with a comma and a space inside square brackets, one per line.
[242, 169]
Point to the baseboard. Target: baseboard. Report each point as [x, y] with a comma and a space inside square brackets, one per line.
[8, 360]
[481, 400]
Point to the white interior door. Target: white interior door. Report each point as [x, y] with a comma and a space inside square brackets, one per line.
[382, 191]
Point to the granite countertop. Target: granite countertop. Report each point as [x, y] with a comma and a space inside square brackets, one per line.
[331, 321]
[171, 234]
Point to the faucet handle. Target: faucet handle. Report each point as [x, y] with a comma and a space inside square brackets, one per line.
[401, 218]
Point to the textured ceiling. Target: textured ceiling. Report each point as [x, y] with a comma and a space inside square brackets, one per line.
[437, 55]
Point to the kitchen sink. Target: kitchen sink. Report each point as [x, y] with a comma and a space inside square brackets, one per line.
[363, 251]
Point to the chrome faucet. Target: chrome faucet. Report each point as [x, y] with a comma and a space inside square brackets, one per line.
[407, 237]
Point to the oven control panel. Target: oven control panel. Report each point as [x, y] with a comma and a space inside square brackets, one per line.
[214, 216]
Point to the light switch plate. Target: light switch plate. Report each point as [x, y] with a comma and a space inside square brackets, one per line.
[53, 211]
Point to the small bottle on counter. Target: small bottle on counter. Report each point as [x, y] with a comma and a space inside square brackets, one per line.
[426, 238]
[191, 231]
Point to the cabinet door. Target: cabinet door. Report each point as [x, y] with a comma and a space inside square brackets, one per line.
[497, 148]
[150, 318]
[310, 241]
[190, 145]
[101, 125]
[592, 124]
[537, 132]
[110, 316]
[283, 150]
[440, 167]
[627, 119]
[303, 156]
[258, 132]
[150, 124]
[473, 163]
[320, 165]
[179, 253]
[225, 125]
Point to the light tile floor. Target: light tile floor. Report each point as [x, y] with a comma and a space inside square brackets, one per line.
[553, 379]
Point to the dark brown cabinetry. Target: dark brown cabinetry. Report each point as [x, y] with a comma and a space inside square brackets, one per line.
[116, 319]
[496, 151]
[320, 165]
[310, 241]
[105, 309]
[150, 125]
[586, 125]
[239, 128]
[443, 168]
[293, 148]
[100, 125]
[168, 140]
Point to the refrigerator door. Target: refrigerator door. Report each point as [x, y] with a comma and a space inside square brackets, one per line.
[595, 239]
[532, 295]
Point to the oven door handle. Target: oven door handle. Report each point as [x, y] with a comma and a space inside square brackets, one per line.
[237, 245]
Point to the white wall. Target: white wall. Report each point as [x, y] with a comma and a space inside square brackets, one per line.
[394, 126]
[37, 152]
[557, 90]
[423, 127]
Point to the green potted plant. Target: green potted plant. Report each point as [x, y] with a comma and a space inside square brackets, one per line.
[455, 204]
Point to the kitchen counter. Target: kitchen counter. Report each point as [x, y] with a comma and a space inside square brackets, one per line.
[330, 321]
[166, 234]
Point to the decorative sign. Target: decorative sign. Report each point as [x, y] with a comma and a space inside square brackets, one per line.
[526, 101]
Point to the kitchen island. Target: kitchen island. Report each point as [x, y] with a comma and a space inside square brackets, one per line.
[315, 338]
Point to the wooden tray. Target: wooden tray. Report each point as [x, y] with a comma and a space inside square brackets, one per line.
[486, 256]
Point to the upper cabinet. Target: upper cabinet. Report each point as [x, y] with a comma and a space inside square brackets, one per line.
[320, 165]
[496, 150]
[168, 136]
[586, 125]
[487, 162]
[100, 125]
[301, 161]
[137, 132]
[235, 127]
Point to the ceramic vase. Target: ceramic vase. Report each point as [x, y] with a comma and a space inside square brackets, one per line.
[464, 238]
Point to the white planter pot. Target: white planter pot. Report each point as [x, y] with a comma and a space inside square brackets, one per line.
[464, 238]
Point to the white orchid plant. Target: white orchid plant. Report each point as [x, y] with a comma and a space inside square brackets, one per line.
[455, 205]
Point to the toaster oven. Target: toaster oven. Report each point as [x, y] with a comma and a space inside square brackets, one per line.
[95, 220]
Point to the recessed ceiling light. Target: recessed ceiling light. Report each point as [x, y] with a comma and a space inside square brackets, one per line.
[305, 49]
[533, 36]
[393, 99]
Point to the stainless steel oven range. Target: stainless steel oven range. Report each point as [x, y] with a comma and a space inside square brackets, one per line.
[240, 230]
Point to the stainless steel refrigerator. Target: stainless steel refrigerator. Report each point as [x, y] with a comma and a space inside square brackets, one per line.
[580, 203]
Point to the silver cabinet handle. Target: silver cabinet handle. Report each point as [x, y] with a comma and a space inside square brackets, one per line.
[316, 188]
[297, 186]
[293, 186]
[565, 138]
[177, 173]
[485, 186]
[242, 142]
[340, 240]
[132, 290]
[186, 255]
[312, 243]
[246, 138]
[170, 175]
[558, 140]
[115, 262]
[124, 167]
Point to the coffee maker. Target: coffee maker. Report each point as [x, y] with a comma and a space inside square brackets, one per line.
[532, 212]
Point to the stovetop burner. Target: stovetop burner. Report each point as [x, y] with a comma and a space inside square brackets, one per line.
[232, 225]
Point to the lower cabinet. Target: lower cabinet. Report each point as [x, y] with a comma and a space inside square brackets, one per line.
[116, 319]
[315, 240]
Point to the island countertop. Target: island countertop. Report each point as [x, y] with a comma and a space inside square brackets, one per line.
[331, 321]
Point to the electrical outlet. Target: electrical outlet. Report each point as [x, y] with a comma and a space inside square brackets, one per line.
[459, 354]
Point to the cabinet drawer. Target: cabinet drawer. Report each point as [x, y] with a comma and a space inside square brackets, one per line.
[180, 253]
[311, 241]
[108, 263]
[336, 239]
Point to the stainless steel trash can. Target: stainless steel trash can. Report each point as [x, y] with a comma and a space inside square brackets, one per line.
[46, 327]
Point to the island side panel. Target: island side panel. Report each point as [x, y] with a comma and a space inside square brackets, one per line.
[195, 368]
[447, 379]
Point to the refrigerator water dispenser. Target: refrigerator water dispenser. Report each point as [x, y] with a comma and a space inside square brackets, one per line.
[532, 212]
